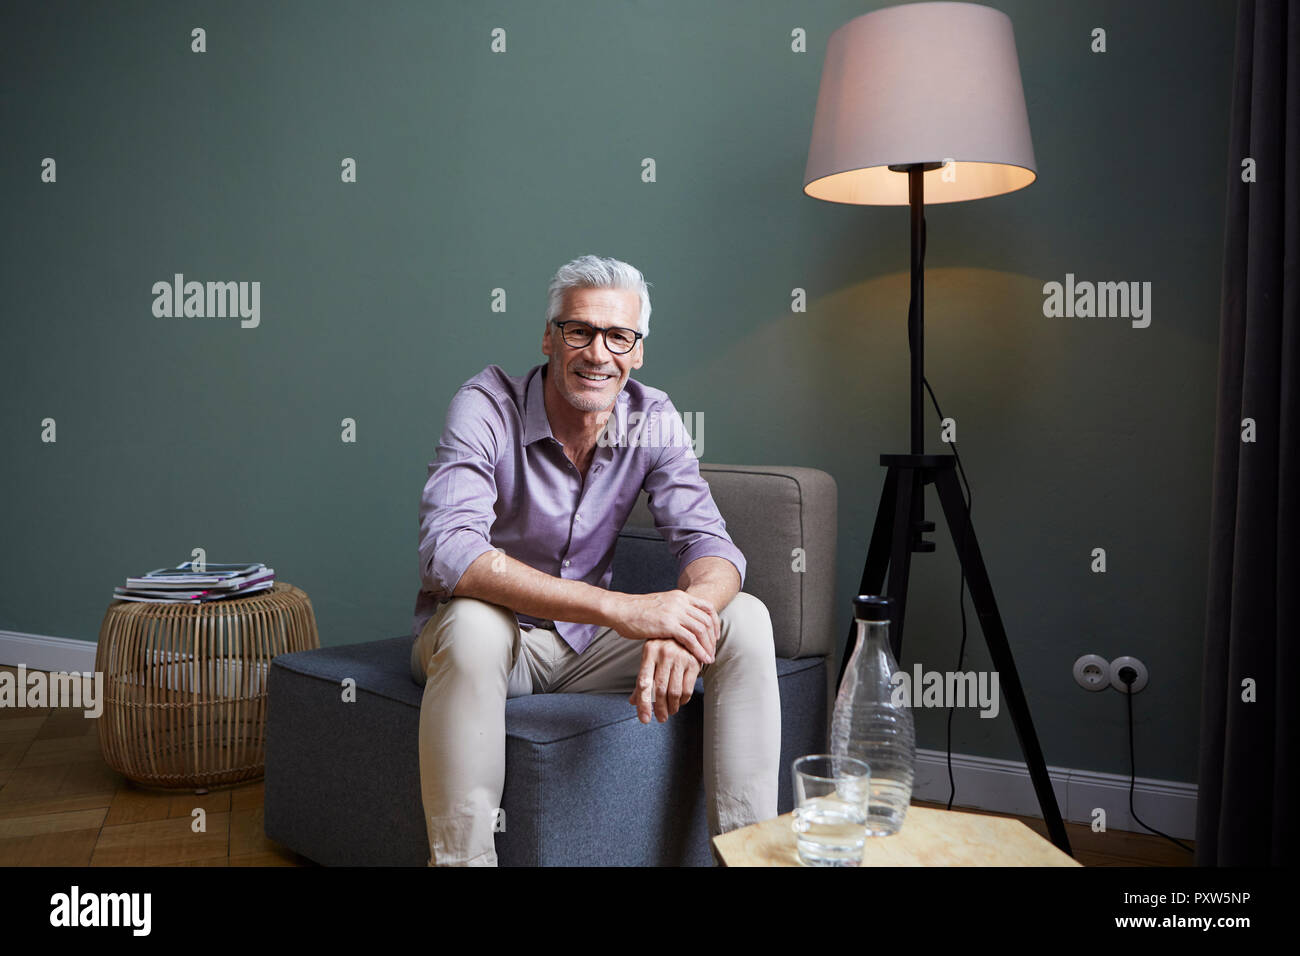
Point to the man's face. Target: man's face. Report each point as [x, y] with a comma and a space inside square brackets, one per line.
[602, 308]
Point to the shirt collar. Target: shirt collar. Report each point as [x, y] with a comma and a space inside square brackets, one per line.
[537, 425]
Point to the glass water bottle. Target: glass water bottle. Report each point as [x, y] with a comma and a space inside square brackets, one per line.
[868, 725]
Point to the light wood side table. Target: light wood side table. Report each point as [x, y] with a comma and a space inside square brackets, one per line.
[929, 837]
[185, 690]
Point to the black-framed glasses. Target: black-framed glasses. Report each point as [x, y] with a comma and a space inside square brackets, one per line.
[578, 335]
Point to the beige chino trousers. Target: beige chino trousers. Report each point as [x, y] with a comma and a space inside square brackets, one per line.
[472, 656]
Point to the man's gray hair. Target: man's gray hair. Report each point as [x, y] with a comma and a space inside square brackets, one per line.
[596, 272]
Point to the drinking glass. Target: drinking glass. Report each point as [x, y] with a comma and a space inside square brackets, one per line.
[831, 796]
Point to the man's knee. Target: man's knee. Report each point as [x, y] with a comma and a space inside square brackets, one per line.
[470, 635]
[748, 625]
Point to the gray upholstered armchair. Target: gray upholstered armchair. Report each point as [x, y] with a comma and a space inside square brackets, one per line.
[586, 782]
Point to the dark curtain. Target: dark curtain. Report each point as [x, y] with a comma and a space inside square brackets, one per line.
[1250, 758]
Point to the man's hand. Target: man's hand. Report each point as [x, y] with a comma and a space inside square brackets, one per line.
[677, 615]
[666, 680]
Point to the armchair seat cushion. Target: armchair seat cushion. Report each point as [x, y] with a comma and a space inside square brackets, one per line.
[343, 780]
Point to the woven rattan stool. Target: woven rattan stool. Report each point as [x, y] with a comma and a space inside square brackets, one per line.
[185, 685]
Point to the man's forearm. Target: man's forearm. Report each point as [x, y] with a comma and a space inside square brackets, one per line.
[712, 578]
[500, 579]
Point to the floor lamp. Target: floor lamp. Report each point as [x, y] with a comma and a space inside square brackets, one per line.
[923, 103]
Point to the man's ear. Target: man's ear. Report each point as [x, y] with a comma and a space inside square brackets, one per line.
[640, 354]
[546, 339]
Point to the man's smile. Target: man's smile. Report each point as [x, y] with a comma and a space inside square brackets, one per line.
[593, 379]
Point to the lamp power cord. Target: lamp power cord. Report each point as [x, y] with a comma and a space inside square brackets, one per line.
[967, 502]
[1127, 676]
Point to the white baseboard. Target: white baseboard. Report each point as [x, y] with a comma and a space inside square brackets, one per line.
[40, 653]
[43, 653]
[1003, 786]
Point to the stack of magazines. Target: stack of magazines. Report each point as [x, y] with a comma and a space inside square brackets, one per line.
[186, 584]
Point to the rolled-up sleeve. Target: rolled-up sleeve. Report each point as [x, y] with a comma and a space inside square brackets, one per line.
[457, 506]
[680, 500]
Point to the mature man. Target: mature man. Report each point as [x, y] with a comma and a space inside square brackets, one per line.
[534, 478]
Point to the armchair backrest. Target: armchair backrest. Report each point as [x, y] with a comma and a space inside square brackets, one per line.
[783, 519]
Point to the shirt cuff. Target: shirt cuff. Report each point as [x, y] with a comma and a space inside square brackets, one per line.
[713, 547]
[454, 555]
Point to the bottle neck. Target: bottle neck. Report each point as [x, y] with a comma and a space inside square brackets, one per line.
[872, 652]
[873, 632]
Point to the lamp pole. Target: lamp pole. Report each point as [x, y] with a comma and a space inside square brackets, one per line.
[915, 326]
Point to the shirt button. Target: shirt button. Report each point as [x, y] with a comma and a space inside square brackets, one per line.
[566, 564]
[577, 517]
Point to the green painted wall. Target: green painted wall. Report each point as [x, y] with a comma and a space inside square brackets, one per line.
[479, 170]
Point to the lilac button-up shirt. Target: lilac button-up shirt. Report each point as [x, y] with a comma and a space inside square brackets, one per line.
[501, 480]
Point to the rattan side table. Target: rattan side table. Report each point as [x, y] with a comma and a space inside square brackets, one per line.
[185, 685]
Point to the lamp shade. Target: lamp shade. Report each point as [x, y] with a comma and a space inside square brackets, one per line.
[920, 83]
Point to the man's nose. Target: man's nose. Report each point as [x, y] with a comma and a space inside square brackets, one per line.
[597, 351]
